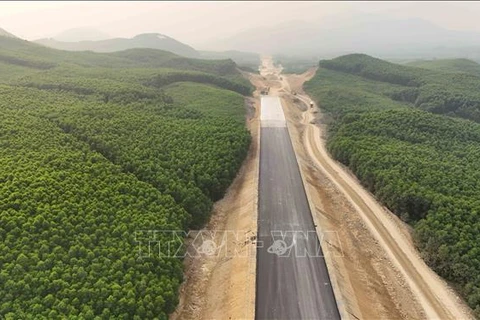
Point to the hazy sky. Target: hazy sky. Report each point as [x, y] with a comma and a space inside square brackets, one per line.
[197, 22]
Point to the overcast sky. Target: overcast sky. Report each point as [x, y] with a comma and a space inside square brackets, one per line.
[197, 22]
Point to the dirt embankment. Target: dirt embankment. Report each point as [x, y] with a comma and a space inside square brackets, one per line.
[222, 285]
[380, 274]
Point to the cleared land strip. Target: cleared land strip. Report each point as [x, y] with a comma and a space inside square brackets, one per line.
[292, 277]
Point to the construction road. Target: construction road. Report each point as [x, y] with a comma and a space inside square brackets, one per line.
[292, 280]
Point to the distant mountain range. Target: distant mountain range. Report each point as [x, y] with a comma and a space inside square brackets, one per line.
[5, 33]
[377, 35]
[146, 40]
[372, 34]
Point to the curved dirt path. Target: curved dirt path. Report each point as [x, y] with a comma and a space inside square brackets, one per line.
[437, 300]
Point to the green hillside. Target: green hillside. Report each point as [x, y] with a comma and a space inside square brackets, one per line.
[421, 165]
[246, 60]
[449, 65]
[97, 149]
[456, 94]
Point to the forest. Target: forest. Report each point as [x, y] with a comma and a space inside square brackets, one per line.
[448, 65]
[94, 148]
[422, 163]
[456, 94]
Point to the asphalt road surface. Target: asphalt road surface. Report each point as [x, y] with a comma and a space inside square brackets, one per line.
[292, 278]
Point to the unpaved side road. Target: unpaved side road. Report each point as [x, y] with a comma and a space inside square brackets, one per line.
[381, 274]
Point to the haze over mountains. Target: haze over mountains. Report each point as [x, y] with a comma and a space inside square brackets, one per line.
[371, 34]
[379, 35]
[82, 34]
[5, 33]
[148, 40]
[69, 40]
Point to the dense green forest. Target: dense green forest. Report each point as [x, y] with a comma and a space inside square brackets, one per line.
[448, 65]
[247, 61]
[94, 148]
[421, 165]
[455, 94]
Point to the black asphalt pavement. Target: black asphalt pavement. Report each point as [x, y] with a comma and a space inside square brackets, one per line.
[292, 278]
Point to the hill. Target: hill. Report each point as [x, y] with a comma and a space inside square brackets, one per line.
[102, 153]
[243, 59]
[4, 33]
[456, 94]
[448, 65]
[147, 40]
[407, 134]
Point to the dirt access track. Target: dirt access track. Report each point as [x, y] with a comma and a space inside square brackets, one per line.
[379, 273]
